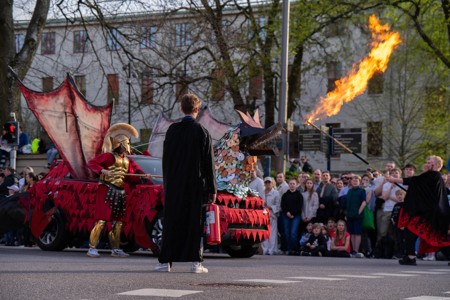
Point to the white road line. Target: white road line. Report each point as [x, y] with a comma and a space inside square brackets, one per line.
[441, 270]
[357, 276]
[424, 272]
[394, 274]
[268, 281]
[427, 298]
[160, 293]
[447, 292]
[317, 278]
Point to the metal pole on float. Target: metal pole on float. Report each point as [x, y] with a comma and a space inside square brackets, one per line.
[282, 113]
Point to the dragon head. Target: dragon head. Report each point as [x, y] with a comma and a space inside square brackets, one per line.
[235, 153]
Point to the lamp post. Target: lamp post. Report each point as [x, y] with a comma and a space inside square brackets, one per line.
[129, 92]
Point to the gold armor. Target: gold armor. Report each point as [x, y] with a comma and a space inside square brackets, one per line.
[117, 171]
[114, 234]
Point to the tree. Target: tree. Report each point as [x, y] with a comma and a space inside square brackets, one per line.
[21, 61]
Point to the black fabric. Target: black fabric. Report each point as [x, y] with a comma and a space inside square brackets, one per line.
[188, 171]
[427, 198]
[12, 215]
[292, 202]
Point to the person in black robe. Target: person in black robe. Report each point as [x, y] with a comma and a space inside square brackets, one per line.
[426, 212]
[189, 184]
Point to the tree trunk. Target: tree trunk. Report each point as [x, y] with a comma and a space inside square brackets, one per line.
[7, 52]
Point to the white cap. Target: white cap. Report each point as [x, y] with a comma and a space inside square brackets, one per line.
[13, 187]
[267, 179]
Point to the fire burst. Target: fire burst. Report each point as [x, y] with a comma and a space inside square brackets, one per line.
[354, 84]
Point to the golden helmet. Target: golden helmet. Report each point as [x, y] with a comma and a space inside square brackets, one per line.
[119, 134]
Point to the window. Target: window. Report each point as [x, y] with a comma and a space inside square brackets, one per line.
[147, 88]
[217, 85]
[375, 85]
[80, 81]
[113, 39]
[374, 138]
[19, 41]
[181, 87]
[113, 88]
[255, 86]
[334, 72]
[48, 43]
[47, 84]
[183, 34]
[148, 35]
[80, 41]
[333, 30]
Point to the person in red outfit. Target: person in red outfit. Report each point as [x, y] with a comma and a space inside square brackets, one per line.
[112, 166]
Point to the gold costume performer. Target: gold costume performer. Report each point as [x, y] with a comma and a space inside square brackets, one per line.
[112, 166]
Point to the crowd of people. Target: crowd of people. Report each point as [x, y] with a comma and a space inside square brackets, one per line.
[350, 215]
[10, 185]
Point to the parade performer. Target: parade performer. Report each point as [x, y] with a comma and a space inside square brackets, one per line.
[112, 166]
[426, 210]
[189, 183]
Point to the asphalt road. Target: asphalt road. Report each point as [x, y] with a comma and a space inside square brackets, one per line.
[29, 273]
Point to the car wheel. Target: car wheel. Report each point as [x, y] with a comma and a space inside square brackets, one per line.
[55, 236]
[156, 232]
[241, 251]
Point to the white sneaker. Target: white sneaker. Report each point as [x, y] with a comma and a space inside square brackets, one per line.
[162, 267]
[92, 252]
[429, 258]
[119, 253]
[198, 268]
[359, 255]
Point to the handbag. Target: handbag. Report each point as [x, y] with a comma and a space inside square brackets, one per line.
[368, 220]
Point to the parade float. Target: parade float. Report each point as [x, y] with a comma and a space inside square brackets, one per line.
[60, 208]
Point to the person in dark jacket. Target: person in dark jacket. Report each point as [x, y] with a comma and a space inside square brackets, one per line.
[316, 244]
[9, 180]
[189, 183]
[291, 212]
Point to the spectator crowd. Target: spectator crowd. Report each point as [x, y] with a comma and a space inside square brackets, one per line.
[318, 213]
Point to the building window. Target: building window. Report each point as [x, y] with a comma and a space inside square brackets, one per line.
[333, 30]
[147, 88]
[217, 85]
[113, 88]
[183, 34]
[148, 37]
[47, 84]
[80, 81]
[48, 43]
[80, 41]
[181, 87]
[113, 40]
[374, 138]
[375, 85]
[20, 39]
[255, 86]
[334, 72]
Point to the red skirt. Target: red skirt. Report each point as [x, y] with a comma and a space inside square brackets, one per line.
[430, 240]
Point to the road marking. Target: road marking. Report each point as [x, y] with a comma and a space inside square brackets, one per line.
[268, 281]
[441, 270]
[160, 293]
[428, 298]
[318, 278]
[393, 274]
[423, 272]
[357, 276]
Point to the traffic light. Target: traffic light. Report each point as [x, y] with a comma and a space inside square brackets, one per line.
[11, 132]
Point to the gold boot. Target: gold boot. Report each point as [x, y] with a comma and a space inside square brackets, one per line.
[94, 239]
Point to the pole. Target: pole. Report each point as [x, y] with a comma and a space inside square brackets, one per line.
[129, 93]
[349, 150]
[282, 113]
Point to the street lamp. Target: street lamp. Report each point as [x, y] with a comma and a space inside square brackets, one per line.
[129, 92]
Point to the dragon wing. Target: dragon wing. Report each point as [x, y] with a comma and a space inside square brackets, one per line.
[75, 127]
[215, 128]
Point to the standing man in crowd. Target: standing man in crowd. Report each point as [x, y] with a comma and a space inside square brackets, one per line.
[282, 188]
[306, 166]
[189, 183]
[328, 198]
[426, 212]
[257, 183]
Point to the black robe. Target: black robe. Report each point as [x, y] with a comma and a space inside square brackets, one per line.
[189, 178]
[426, 210]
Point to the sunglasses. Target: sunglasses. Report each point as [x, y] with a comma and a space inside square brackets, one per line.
[344, 177]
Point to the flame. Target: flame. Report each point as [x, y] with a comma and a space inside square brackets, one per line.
[354, 84]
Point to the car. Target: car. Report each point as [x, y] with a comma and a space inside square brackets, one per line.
[63, 213]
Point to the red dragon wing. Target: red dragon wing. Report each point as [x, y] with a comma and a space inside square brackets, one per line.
[215, 128]
[74, 126]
